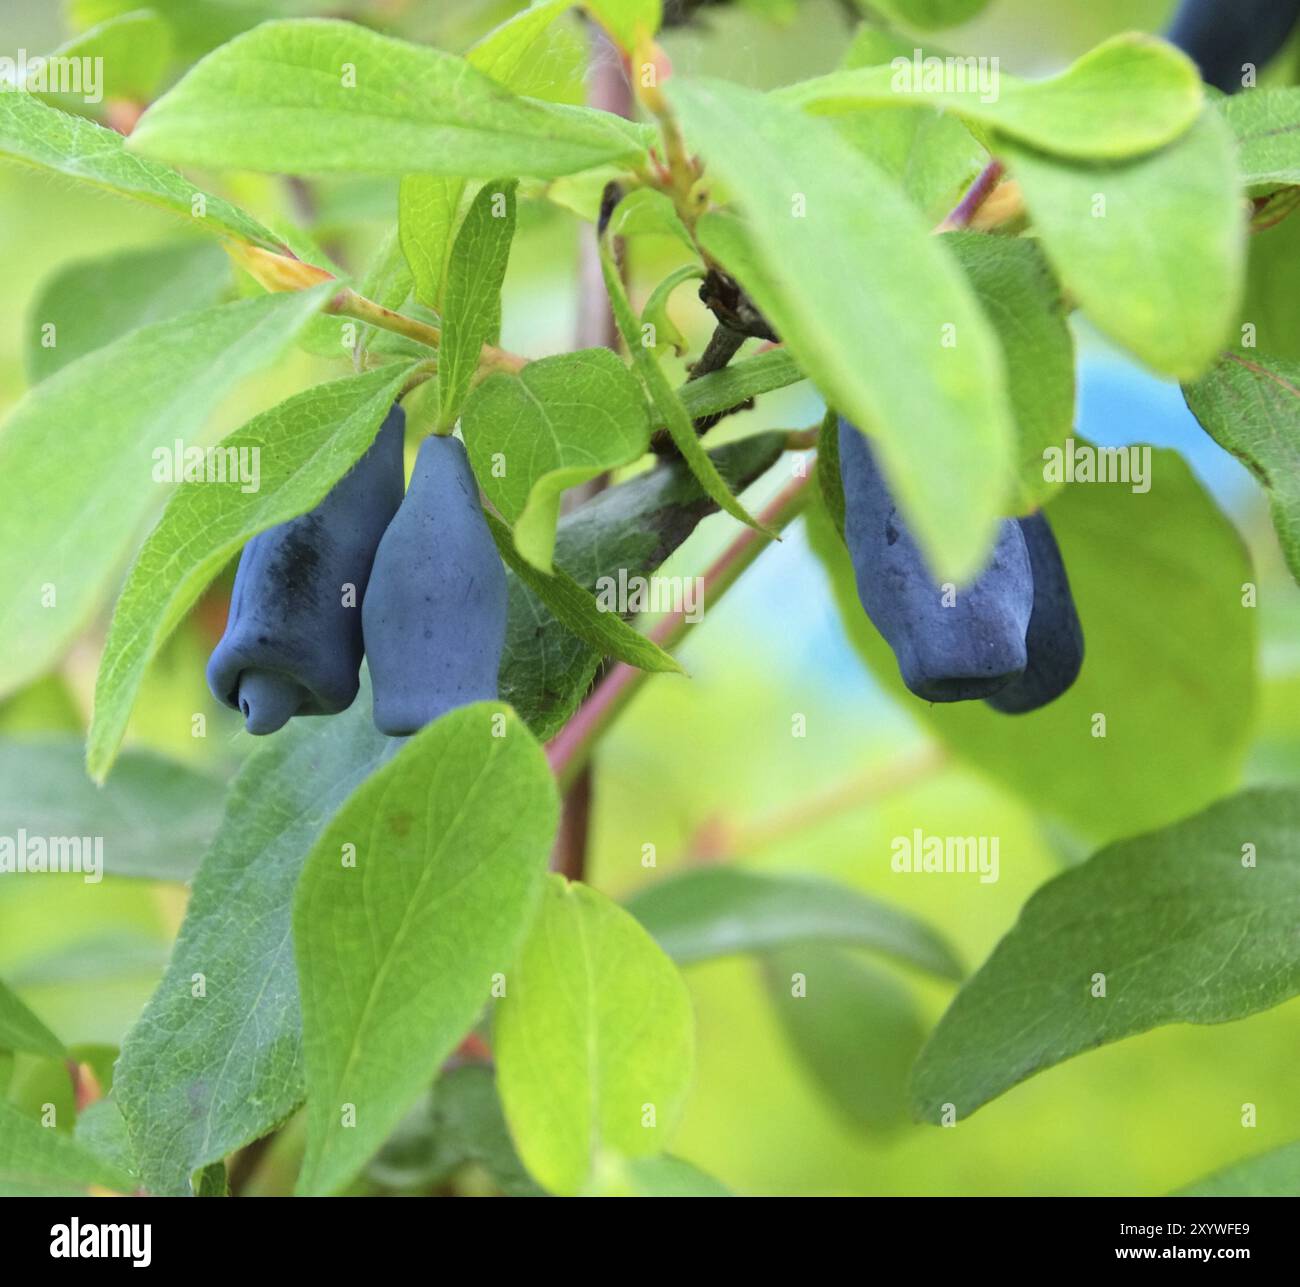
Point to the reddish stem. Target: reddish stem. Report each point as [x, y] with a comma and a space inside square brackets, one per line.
[611, 91]
[571, 747]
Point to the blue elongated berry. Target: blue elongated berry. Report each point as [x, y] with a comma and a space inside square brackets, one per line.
[948, 650]
[435, 612]
[1055, 638]
[1223, 36]
[292, 644]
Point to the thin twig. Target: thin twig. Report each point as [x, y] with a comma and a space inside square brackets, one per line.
[347, 303]
[571, 748]
[723, 345]
[609, 91]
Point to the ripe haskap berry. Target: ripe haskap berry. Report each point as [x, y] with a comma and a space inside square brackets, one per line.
[293, 642]
[1055, 638]
[1223, 36]
[949, 649]
[435, 613]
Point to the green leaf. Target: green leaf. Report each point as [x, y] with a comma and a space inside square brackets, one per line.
[929, 14]
[1175, 923]
[475, 273]
[749, 378]
[724, 911]
[1266, 125]
[73, 146]
[873, 44]
[886, 326]
[1272, 287]
[930, 155]
[830, 486]
[604, 630]
[628, 22]
[428, 213]
[388, 281]
[155, 821]
[1269, 1175]
[1169, 660]
[559, 422]
[666, 405]
[1153, 250]
[459, 1123]
[582, 194]
[198, 25]
[1250, 406]
[594, 1039]
[134, 50]
[20, 1029]
[212, 1181]
[315, 95]
[35, 1082]
[397, 948]
[305, 445]
[1023, 302]
[201, 1076]
[39, 1161]
[101, 1130]
[648, 212]
[1131, 94]
[515, 54]
[856, 1030]
[90, 303]
[77, 456]
[630, 528]
[652, 1177]
[655, 313]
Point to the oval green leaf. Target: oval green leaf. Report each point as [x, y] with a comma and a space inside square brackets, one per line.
[1191, 924]
[1130, 95]
[559, 422]
[313, 96]
[417, 894]
[1153, 250]
[229, 998]
[724, 911]
[594, 1039]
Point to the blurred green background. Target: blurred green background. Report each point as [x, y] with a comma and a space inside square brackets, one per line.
[706, 768]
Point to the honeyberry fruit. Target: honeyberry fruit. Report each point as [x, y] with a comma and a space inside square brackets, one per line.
[952, 644]
[434, 617]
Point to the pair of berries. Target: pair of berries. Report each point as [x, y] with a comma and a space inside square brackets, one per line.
[1011, 637]
[409, 577]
